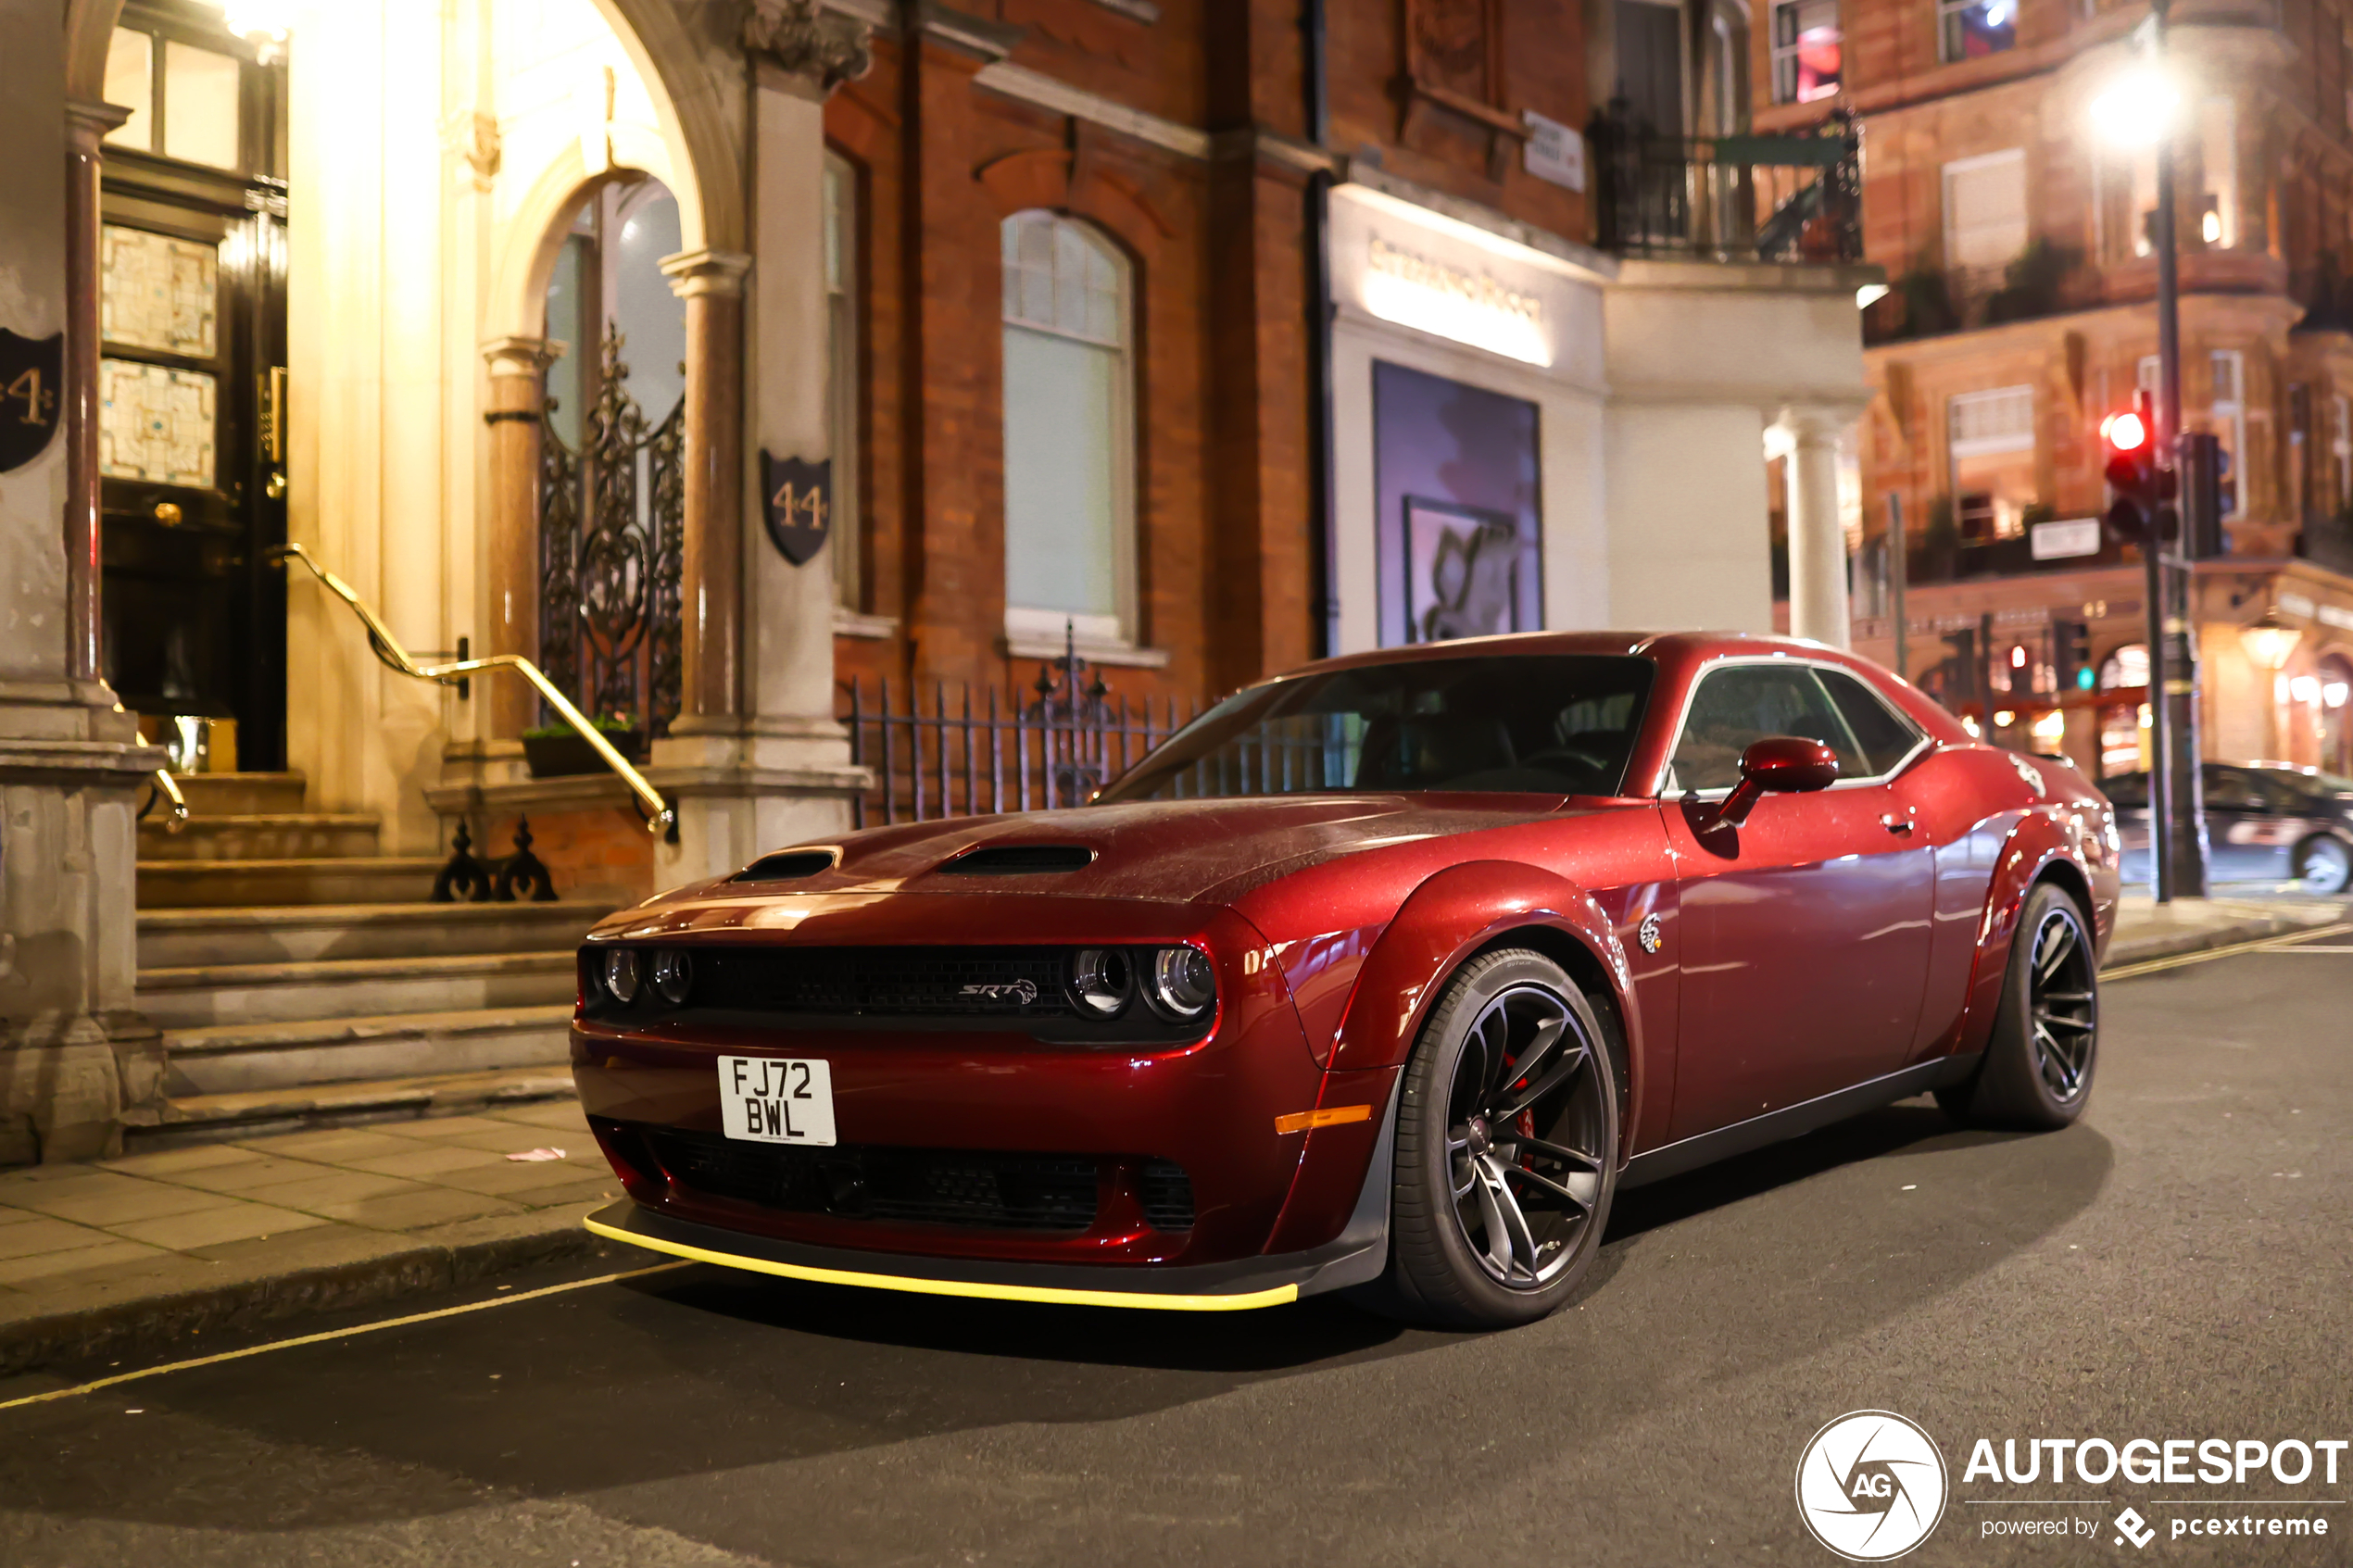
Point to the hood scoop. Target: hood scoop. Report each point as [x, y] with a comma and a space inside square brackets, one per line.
[786, 866]
[1019, 859]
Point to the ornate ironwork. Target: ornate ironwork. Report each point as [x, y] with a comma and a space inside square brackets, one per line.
[612, 544]
[475, 879]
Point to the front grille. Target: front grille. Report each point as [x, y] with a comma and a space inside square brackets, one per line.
[975, 1190]
[1167, 1195]
[1011, 983]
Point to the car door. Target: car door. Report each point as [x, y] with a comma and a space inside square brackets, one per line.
[1806, 930]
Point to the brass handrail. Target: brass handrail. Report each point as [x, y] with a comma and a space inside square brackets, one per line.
[660, 818]
[169, 787]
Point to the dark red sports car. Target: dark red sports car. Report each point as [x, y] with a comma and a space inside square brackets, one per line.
[1383, 976]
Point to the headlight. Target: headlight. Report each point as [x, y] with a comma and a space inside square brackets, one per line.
[1183, 986]
[1102, 979]
[673, 975]
[621, 974]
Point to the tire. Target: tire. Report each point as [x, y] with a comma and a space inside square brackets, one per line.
[2324, 864]
[1478, 1148]
[2038, 1065]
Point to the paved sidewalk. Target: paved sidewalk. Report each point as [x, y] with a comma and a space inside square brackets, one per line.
[121, 1256]
[135, 1250]
[2143, 931]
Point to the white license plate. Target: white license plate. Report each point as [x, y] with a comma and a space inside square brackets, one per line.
[776, 1099]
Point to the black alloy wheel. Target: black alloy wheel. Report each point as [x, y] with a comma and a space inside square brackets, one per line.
[2038, 1069]
[1506, 1147]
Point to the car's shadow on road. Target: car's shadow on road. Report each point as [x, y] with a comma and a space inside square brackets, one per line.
[702, 1371]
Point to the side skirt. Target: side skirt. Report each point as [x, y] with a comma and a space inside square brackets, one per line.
[1795, 1121]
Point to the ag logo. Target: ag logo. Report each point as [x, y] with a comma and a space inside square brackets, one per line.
[1871, 1485]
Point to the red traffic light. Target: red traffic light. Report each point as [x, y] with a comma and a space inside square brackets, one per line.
[2125, 432]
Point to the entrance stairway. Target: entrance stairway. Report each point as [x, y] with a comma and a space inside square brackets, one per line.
[298, 977]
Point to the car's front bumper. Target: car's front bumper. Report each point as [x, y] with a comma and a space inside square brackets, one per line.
[1358, 1257]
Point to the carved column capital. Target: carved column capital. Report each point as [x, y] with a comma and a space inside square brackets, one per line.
[520, 356]
[799, 36]
[693, 272]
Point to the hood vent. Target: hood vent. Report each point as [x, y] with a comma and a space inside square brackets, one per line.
[1020, 859]
[786, 866]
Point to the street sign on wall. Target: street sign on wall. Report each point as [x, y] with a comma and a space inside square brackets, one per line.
[1556, 151]
[2075, 536]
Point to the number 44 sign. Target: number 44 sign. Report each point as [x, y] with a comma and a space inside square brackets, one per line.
[797, 500]
[31, 371]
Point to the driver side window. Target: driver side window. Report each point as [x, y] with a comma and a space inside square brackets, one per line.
[1738, 704]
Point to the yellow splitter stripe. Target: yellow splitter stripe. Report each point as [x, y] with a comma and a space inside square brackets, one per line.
[1274, 1296]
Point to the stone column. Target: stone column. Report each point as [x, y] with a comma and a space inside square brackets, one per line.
[710, 587]
[71, 761]
[86, 125]
[518, 392]
[1817, 606]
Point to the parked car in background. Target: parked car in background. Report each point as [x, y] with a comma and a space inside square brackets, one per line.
[2265, 821]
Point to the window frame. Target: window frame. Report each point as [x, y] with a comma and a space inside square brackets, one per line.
[1948, 15]
[1121, 629]
[1670, 789]
[1971, 165]
[1779, 54]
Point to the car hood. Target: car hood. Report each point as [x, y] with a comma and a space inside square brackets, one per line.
[1180, 851]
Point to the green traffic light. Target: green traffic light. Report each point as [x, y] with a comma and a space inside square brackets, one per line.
[2084, 679]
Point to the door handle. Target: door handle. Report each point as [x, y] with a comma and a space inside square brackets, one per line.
[1901, 826]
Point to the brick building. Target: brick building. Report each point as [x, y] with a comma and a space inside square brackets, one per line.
[2021, 312]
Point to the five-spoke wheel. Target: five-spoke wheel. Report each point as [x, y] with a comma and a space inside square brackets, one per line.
[2037, 1068]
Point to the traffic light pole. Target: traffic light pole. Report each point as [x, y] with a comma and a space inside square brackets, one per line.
[2177, 829]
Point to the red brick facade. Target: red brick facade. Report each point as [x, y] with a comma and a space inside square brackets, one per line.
[1216, 234]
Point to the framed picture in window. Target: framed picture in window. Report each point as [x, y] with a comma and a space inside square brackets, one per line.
[1462, 571]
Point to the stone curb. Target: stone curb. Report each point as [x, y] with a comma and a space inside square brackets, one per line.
[122, 1324]
[2253, 926]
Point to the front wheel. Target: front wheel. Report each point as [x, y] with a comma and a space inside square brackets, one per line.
[2324, 865]
[1506, 1147]
[2037, 1070]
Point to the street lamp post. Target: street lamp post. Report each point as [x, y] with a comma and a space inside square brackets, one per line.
[2140, 109]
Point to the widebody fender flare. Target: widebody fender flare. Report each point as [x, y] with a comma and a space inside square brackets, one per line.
[1454, 914]
[2036, 842]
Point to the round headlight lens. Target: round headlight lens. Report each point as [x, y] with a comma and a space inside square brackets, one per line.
[621, 974]
[1102, 979]
[673, 975]
[1183, 986]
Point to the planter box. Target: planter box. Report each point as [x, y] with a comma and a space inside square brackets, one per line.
[558, 757]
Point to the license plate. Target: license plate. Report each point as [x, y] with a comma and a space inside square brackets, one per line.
[776, 1099]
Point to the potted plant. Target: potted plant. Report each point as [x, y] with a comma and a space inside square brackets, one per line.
[555, 751]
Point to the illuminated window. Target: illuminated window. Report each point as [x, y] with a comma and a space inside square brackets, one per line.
[2228, 412]
[1991, 437]
[1968, 29]
[1807, 46]
[2217, 154]
[1069, 445]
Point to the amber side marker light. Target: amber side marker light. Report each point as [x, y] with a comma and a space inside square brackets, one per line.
[1330, 1116]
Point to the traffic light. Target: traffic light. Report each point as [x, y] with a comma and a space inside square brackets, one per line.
[2203, 462]
[2071, 654]
[2142, 487]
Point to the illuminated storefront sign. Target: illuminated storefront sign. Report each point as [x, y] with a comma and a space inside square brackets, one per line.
[1452, 302]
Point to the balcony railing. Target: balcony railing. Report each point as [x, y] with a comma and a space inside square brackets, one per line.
[1794, 196]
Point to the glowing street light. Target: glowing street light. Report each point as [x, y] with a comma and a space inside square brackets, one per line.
[2137, 109]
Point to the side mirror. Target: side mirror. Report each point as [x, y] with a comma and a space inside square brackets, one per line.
[1782, 765]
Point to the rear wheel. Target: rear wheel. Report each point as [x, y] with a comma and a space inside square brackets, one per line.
[2037, 1070]
[2323, 864]
[1506, 1147]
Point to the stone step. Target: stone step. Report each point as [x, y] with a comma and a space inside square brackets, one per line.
[230, 1059]
[209, 1117]
[274, 836]
[302, 933]
[230, 794]
[354, 879]
[197, 996]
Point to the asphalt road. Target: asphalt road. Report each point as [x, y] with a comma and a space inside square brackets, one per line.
[2177, 1266]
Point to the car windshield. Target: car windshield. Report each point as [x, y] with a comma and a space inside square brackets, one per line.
[1536, 723]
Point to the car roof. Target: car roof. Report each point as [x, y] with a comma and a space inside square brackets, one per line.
[1691, 645]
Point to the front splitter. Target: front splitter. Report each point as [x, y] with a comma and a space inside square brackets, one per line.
[1212, 1287]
